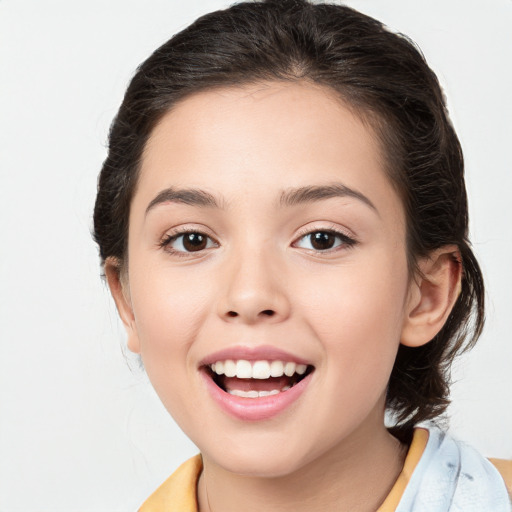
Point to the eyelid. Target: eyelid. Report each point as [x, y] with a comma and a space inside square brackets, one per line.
[348, 239]
[175, 233]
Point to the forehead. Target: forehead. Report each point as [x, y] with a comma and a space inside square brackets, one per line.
[259, 139]
[301, 109]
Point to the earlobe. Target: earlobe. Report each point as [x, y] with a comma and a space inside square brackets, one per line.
[432, 295]
[120, 292]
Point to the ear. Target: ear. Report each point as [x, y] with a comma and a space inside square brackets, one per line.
[118, 283]
[432, 294]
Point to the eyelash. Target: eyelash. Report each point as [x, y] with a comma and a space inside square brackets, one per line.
[168, 239]
[346, 241]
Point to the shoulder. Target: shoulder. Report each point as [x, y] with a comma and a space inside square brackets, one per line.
[178, 492]
[452, 474]
[505, 469]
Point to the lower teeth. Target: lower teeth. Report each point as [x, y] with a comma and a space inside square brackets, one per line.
[256, 394]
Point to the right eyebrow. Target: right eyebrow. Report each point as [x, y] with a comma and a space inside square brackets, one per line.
[190, 196]
[311, 193]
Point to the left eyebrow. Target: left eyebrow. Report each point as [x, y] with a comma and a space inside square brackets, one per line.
[190, 196]
[311, 193]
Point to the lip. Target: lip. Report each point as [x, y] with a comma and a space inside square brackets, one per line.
[262, 353]
[255, 409]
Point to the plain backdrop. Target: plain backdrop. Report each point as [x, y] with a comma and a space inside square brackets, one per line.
[80, 427]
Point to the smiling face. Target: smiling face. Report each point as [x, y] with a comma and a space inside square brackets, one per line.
[264, 228]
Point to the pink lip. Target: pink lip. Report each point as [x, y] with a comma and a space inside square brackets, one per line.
[265, 353]
[255, 409]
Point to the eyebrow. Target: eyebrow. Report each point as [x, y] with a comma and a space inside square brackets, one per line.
[308, 194]
[288, 197]
[190, 196]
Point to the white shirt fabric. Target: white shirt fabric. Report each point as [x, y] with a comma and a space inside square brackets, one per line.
[453, 477]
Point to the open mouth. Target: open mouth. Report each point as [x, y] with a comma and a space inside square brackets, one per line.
[255, 379]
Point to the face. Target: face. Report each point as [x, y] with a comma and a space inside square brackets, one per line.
[267, 280]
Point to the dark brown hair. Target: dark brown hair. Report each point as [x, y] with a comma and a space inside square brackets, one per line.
[384, 77]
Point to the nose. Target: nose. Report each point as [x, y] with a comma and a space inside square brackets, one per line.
[254, 291]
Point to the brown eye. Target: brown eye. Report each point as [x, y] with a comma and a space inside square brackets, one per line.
[324, 241]
[188, 242]
[194, 242]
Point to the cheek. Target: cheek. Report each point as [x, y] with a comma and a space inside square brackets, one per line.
[358, 312]
[169, 308]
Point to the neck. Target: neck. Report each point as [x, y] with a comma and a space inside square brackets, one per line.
[356, 476]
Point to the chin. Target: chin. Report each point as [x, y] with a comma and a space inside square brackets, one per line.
[261, 467]
[260, 458]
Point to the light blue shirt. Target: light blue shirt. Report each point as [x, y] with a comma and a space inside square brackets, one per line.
[453, 477]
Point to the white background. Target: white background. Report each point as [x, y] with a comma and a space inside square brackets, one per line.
[80, 427]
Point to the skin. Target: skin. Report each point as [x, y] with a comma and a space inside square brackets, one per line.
[259, 281]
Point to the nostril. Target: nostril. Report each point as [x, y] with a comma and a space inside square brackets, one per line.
[265, 312]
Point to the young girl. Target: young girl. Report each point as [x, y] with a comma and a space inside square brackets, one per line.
[282, 219]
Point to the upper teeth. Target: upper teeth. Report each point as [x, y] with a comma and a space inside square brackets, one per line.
[243, 369]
